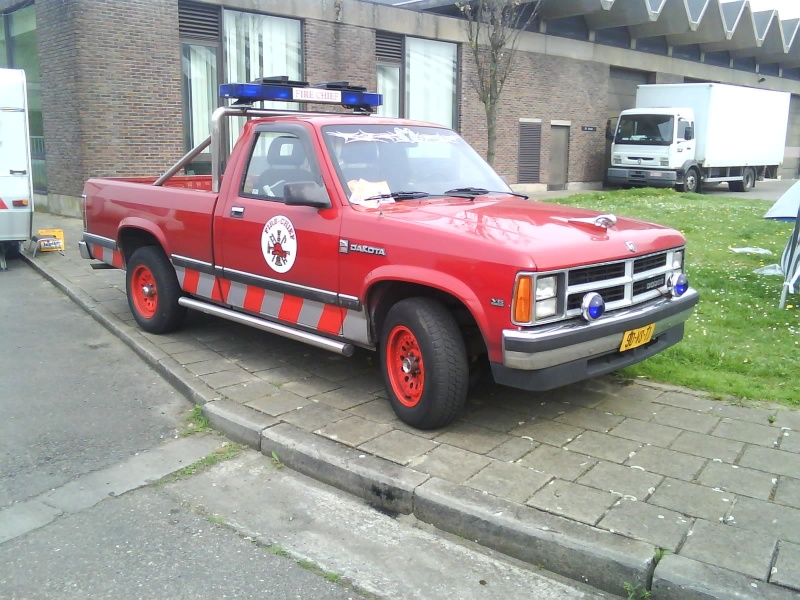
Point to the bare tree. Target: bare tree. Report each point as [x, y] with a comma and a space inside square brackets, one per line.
[493, 27]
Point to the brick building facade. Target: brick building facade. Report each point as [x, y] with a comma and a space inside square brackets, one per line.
[114, 95]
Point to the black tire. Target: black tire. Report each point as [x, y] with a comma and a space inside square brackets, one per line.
[153, 291]
[747, 183]
[691, 182]
[13, 249]
[422, 334]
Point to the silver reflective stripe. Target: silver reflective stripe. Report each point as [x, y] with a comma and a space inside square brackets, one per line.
[310, 313]
[205, 286]
[355, 327]
[237, 294]
[271, 305]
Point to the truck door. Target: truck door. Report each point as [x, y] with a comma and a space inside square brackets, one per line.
[277, 260]
[16, 201]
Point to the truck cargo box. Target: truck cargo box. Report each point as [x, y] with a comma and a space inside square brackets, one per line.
[733, 125]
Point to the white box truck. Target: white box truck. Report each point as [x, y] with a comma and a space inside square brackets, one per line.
[686, 134]
[16, 177]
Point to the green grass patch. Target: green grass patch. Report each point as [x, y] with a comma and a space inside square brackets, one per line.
[738, 343]
[196, 422]
[227, 451]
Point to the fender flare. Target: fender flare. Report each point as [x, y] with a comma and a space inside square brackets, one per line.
[690, 164]
[436, 280]
[142, 225]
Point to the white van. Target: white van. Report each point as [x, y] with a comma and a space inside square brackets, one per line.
[16, 177]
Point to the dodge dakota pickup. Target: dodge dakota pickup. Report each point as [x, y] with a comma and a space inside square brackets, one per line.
[344, 230]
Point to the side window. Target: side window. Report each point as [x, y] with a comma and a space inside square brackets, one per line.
[277, 158]
[682, 126]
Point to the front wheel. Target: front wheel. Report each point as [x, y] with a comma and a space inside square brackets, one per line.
[153, 291]
[424, 363]
[691, 182]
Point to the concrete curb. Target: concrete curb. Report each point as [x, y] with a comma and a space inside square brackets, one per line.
[681, 578]
[602, 559]
[380, 482]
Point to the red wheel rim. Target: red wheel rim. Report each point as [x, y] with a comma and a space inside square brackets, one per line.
[144, 292]
[405, 367]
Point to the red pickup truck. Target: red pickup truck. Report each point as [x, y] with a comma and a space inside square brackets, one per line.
[354, 230]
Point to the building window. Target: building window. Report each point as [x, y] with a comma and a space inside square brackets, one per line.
[199, 91]
[240, 47]
[260, 46]
[418, 78]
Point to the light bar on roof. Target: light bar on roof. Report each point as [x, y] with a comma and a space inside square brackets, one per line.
[283, 90]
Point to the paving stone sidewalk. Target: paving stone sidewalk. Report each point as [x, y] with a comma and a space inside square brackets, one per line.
[715, 485]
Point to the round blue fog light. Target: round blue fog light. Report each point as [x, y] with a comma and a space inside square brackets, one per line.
[678, 284]
[593, 306]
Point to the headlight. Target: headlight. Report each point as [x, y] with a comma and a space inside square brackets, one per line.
[546, 290]
[617, 159]
[665, 162]
[677, 259]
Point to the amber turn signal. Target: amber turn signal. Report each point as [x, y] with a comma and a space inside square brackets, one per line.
[522, 299]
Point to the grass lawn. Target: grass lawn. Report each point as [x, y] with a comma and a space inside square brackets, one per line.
[738, 343]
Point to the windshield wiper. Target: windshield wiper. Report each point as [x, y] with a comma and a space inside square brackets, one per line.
[476, 191]
[399, 196]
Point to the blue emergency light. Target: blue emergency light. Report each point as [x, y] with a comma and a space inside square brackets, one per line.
[281, 89]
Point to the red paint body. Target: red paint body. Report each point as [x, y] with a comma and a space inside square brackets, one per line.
[470, 249]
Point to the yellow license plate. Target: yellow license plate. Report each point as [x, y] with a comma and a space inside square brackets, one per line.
[636, 337]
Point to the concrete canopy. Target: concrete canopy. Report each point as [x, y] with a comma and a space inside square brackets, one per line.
[713, 25]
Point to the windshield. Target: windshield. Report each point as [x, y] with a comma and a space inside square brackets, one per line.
[650, 130]
[375, 159]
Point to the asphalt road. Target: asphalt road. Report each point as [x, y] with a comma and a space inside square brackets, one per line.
[74, 399]
[87, 435]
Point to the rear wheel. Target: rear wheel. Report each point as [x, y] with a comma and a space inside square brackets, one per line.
[424, 363]
[747, 183]
[12, 249]
[153, 291]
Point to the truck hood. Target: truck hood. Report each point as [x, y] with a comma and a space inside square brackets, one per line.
[538, 235]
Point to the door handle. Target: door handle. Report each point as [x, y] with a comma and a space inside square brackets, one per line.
[237, 212]
[15, 172]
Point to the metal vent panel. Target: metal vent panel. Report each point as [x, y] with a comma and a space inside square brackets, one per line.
[198, 21]
[530, 152]
[389, 47]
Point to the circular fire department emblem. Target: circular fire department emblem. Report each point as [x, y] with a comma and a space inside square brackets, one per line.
[279, 243]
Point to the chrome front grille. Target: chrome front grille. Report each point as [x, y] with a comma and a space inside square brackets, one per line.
[621, 283]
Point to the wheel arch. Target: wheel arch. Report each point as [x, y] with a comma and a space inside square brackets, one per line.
[134, 233]
[386, 290]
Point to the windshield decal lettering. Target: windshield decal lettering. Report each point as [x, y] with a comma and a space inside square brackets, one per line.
[398, 136]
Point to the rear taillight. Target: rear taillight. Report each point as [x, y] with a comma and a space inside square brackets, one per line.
[20, 203]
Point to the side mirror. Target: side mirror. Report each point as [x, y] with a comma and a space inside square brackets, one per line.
[306, 193]
[689, 134]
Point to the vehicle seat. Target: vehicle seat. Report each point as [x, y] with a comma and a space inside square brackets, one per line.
[359, 160]
[286, 163]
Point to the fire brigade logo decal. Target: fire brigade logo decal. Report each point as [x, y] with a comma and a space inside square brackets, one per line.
[279, 244]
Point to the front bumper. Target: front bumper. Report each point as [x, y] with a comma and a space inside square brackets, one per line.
[643, 177]
[549, 357]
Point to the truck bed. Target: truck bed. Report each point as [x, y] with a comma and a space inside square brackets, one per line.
[184, 209]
